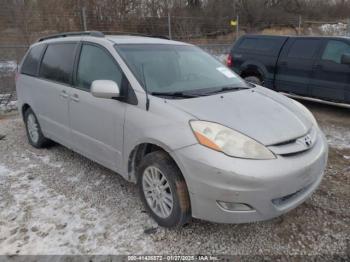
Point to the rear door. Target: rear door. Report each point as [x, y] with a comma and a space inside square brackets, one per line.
[295, 65]
[331, 78]
[55, 79]
[97, 124]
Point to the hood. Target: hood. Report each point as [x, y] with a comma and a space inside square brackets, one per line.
[261, 114]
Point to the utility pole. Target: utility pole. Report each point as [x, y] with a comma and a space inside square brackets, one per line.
[299, 25]
[234, 7]
[237, 28]
[169, 20]
[169, 23]
[83, 18]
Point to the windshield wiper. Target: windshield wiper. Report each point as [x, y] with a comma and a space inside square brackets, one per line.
[174, 94]
[226, 89]
[193, 93]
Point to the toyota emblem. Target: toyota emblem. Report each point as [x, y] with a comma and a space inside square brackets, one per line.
[308, 141]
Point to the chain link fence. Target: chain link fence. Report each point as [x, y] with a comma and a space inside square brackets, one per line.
[214, 35]
[10, 56]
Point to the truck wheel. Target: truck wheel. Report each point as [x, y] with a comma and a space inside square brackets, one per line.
[254, 80]
[34, 133]
[163, 190]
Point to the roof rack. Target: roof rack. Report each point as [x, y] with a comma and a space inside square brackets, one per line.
[67, 34]
[135, 34]
[98, 34]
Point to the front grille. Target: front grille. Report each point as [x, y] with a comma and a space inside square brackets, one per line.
[285, 143]
[295, 146]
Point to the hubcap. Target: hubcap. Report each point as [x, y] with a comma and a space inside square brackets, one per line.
[33, 129]
[157, 192]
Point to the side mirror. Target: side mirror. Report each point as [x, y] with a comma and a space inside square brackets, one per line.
[345, 59]
[105, 89]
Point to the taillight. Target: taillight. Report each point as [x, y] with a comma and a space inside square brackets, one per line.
[229, 61]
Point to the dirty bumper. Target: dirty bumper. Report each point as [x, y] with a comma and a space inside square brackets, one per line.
[230, 190]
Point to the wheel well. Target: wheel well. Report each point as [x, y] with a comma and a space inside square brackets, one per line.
[252, 72]
[140, 152]
[25, 107]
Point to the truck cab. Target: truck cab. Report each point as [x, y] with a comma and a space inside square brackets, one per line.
[316, 67]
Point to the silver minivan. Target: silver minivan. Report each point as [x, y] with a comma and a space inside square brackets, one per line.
[197, 139]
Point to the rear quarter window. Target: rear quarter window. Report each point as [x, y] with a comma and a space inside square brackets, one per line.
[57, 64]
[304, 48]
[260, 45]
[32, 60]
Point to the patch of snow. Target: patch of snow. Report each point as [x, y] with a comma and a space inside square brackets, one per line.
[8, 66]
[46, 160]
[5, 96]
[7, 106]
[3, 170]
[337, 137]
[40, 221]
[334, 29]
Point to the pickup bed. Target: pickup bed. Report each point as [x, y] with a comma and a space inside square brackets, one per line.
[317, 67]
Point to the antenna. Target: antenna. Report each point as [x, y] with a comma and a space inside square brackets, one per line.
[145, 85]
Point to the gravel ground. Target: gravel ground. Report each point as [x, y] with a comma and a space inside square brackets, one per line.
[54, 201]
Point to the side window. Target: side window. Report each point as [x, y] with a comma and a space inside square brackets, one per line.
[31, 62]
[303, 48]
[57, 64]
[334, 51]
[259, 44]
[96, 64]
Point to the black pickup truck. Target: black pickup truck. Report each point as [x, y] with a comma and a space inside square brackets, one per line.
[317, 67]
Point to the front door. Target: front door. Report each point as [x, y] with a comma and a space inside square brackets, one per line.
[97, 124]
[331, 78]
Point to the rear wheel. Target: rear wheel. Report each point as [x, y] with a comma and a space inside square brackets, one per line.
[34, 133]
[163, 190]
[254, 80]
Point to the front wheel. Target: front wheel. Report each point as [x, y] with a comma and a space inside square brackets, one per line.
[163, 190]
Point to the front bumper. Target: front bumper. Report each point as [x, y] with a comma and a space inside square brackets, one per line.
[270, 187]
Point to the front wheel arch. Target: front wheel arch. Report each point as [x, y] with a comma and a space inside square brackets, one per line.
[24, 108]
[140, 151]
[253, 72]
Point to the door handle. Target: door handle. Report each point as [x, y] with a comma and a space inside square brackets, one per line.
[64, 94]
[283, 63]
[75, 98]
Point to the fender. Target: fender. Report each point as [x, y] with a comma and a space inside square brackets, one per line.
[129, 154]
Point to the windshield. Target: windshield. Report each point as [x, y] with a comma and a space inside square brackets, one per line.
[177, 68]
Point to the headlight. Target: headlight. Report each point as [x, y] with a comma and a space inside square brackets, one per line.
[229, 141]
[306, 112]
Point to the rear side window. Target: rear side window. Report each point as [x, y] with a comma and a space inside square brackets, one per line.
[334, 51]
[259, 44]
[31, 62]
[96, 64]
[304, 48]
[57, 64]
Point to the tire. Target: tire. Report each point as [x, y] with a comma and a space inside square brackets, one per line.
[254, 80]
[174, 184]
[33, 129]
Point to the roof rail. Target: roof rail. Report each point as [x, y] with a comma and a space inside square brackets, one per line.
[135, 34]
[67, 34]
